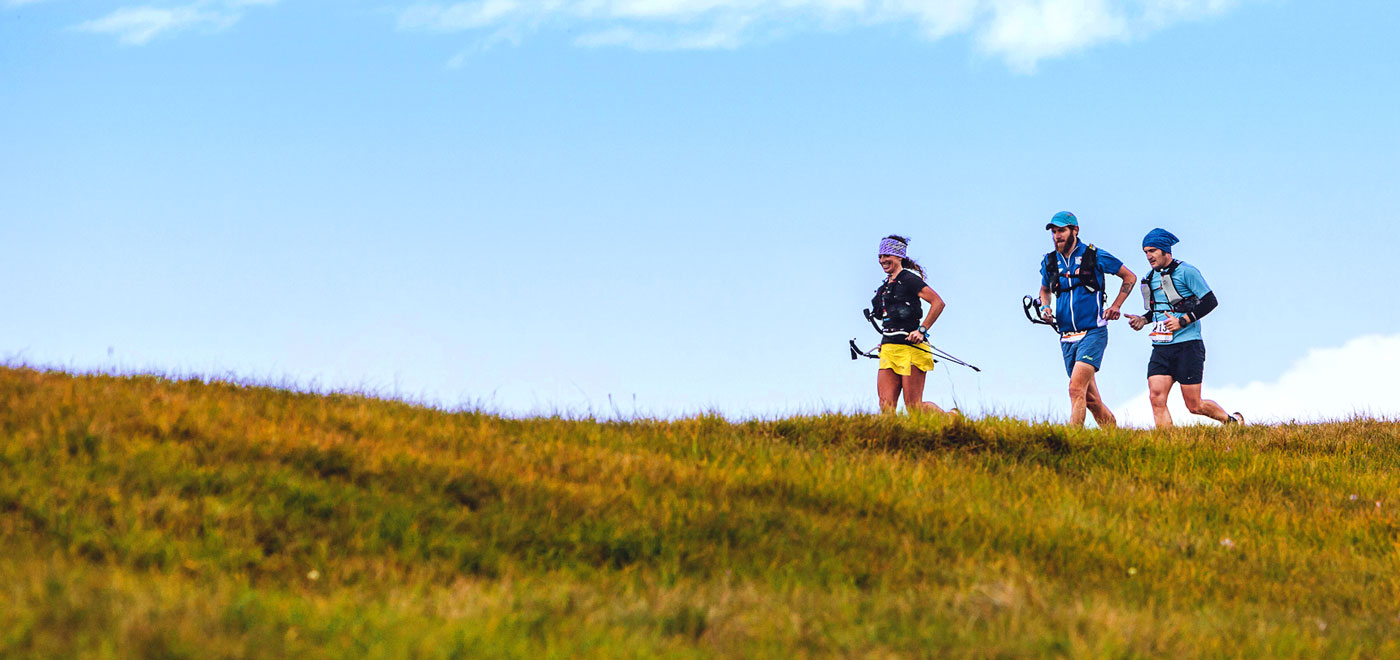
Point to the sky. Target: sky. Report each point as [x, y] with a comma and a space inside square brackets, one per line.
[626, 208]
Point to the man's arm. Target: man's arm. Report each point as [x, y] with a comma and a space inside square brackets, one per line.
[1207, 304]
[1204, 307]
[1129, 281]
[1196, 284]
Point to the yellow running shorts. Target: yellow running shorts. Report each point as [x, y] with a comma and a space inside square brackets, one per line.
[900, 357]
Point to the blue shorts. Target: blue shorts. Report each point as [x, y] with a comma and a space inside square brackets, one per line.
[1088, 350]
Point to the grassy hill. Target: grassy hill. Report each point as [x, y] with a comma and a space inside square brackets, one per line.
[149, 518]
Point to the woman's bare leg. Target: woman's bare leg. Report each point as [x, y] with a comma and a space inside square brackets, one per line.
[914, 392]
[887, 385]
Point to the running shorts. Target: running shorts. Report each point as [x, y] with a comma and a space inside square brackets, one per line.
[903, 357]
[1087, 349]
[1184, 362]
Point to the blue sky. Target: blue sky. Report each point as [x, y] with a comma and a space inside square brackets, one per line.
[534, 206]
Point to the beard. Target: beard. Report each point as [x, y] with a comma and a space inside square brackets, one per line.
[1070, 239]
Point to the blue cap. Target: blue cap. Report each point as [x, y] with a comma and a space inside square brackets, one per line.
[1063, 219]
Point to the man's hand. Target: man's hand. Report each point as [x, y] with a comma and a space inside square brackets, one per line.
[1173, 323]
[1137, 322]
[1112, 313]
[1046, 314]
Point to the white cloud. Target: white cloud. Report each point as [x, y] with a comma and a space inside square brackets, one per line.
[462, 16]
[1022, 32]
[1025, 32]
[139, 25]
[720, 36]
[1358, 378]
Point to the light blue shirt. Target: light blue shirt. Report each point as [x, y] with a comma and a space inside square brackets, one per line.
[1188, 282]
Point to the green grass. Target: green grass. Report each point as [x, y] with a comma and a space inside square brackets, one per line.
[143, 517]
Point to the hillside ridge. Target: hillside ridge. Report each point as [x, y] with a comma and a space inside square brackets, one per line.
[153, 517]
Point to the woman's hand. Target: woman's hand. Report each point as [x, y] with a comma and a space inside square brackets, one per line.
[916, 337]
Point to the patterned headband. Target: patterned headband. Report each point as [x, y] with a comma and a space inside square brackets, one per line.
[892, 247]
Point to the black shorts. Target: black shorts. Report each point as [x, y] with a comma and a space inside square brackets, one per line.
[1184, 362]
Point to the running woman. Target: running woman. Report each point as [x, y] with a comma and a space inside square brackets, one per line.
[905, 359]
[1177, 298]
[1074, 274]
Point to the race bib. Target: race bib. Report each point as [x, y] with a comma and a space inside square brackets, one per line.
[1073, 337]
[1160, 334]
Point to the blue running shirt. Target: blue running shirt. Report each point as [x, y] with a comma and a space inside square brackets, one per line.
[1188, 282]
[1080, 309]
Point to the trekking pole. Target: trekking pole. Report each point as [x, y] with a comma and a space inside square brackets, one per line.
[1034, 310]
[938, 352]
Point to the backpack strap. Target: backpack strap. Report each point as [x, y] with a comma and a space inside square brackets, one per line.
[1168, 287]
[1089, 270]
[1052, 272]
[1089, 274]
[1146, 288]
[1088, 277]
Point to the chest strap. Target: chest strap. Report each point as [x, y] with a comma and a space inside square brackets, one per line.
[1087, 277]
[1175, 301]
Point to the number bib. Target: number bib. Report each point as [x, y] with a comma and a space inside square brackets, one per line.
[1160, 334]
[1073, 337]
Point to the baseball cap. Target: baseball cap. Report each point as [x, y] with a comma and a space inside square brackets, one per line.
[1063, 219]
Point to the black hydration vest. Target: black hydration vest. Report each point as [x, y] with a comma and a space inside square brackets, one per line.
[899, 307]
[1088, 276]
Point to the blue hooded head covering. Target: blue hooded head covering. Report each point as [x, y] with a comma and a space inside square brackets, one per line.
[1161, 239]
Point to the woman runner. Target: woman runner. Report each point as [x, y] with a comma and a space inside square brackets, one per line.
[904, 357]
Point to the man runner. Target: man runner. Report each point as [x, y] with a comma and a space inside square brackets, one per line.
[1074, 273]
[1177, 298]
